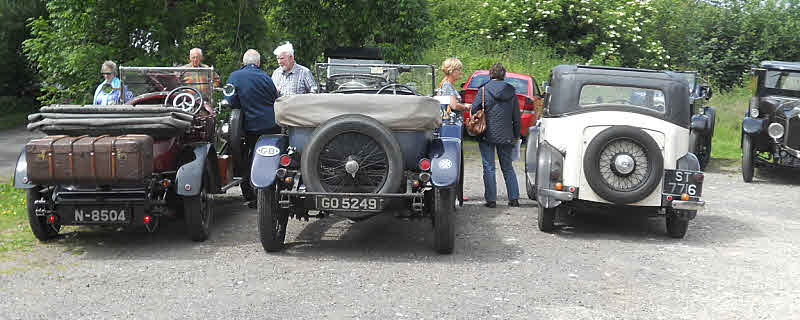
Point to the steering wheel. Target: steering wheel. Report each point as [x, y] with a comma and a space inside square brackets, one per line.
[395, 85]
[187, 101]
[351, 83]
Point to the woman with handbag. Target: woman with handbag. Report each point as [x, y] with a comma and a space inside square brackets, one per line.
[451, 67]
[498, 101]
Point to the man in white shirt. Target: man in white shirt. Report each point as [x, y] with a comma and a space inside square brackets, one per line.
[291, 78]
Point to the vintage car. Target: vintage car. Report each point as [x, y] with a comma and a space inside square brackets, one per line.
[373, 141]
[771, 126]
[528, 93]
[127, 164]
[703, 118]
[615, 139]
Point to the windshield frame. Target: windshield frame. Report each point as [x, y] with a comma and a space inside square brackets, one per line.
[323, 68]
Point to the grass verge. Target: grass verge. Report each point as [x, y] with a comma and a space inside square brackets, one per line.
[730, 107]
[15, 233]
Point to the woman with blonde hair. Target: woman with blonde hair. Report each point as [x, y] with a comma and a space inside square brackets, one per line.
[451, 67]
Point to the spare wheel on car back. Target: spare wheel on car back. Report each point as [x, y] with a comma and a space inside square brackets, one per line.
[623, 164]
[352, 153]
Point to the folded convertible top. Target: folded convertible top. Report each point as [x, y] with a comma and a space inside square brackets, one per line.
[153, 120]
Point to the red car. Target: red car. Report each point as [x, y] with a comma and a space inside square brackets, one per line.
[528, 94]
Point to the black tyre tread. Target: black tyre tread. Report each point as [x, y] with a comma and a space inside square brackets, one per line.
[592, 170]
[676, 227]
[444, 220]
[546, 219]
[39, 226]
[348, 123]
[271, 239]
[193, 209]
[747, 158]
[529, 188]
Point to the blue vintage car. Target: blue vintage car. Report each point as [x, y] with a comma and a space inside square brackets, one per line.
[374, 141]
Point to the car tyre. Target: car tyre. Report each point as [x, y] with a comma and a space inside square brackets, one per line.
[700, 147]
[530, 188]
[444, 220]
[272, 220]
[39, 226]
[747, 158]
[199, 209]
[547, 218]
[676, 226]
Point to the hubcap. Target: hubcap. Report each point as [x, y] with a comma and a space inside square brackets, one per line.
[351, 167]
[624, 163]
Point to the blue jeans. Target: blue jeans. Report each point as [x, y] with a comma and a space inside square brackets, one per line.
[504, 155]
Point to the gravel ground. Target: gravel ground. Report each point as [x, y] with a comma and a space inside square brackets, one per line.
[739, 260]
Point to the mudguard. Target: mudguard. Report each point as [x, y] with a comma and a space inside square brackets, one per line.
[445, 155]
[752, 125]
[266, 159]
[451, 130]
[547, 155]
[531, 151]
[700, 122]
[190, 175]
[688, 162]
[21, 172]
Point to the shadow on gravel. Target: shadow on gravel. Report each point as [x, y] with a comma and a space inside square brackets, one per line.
[777, 176]
[387, 238]
[705, 230]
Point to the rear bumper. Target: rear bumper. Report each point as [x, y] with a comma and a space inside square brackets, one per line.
[697, 205]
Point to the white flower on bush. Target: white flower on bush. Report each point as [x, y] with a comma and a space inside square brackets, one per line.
[485, 4]
[590, 20]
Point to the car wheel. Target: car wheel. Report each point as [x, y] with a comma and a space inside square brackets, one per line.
[623, 164]
[547, 219]
[240, 154]
[530, 188]
[199, 209]
[676, 226]
[444, 220]
[747, 158]
[698, 146]
[272, 220]
[353, 154]
[39, 226]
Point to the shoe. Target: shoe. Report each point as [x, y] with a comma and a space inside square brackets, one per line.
[490, 204]
[513, 203]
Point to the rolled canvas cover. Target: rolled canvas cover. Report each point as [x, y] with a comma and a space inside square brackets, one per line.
[397, 112]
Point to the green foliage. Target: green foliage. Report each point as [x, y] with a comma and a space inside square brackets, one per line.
[16, 77]
[15, 233]
[398, 27]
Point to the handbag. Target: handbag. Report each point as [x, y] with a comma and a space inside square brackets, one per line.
[477, 122]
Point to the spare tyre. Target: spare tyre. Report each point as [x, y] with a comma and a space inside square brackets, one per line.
[623, 164]
[352, 153]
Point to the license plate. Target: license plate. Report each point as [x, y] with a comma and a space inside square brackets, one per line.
[101, 215]
[678, 182]
[349, 203]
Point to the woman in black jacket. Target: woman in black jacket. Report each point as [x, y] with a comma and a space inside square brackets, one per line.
[502, 132]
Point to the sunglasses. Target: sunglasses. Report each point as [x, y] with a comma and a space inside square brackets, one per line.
[105, 73]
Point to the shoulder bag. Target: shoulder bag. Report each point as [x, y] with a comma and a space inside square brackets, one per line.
[477, 121]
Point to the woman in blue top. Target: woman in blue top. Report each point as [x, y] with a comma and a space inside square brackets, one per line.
[108, 91]
[452, 72]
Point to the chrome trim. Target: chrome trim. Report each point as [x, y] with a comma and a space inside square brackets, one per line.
[698, 205]
[558, 195]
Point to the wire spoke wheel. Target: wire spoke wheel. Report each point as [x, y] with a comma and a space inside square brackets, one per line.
[623, 165]
[353, 162]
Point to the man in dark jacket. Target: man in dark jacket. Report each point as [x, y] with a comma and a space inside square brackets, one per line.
[502, 132]
[255, 94]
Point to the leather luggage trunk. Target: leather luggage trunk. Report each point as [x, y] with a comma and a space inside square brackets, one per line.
[87, 160]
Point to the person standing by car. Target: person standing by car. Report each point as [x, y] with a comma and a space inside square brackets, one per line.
[198, 80]
[451, 67]
[108, 91]
[291, 78]
[499, 100]
[255, 94]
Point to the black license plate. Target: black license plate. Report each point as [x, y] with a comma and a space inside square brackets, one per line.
[349, 203]
[678, 182]
[103, 215]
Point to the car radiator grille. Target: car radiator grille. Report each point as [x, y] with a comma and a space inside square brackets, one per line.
[793, 133]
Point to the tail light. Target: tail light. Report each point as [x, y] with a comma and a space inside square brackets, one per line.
[286, 160]
[147, 219]
[51, 219]
[425, 164]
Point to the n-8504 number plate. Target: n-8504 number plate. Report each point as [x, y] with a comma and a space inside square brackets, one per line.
[678, 182]
[349, 203]
[101, 215]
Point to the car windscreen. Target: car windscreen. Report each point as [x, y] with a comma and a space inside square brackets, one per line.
[602, 95]
[520, 85]
[783, 80]
[692, 78]
[147, 80]
[386, 78]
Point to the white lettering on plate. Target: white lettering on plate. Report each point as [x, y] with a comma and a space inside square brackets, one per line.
[268, 151]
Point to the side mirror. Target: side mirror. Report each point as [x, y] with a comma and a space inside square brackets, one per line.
[229, 90]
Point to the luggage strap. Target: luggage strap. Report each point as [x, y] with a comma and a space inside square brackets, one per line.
[71, 166]
[50, 152]
[91, 157]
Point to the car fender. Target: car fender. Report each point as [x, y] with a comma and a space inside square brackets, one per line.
[700, 122]
[752, 125]
[688, 162]
[531, 151]
[190, 175]
[545, 157]
[266, 159]
[445, 154]
[21, 172]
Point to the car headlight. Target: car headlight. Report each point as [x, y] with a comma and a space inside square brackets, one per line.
[754, 112]
[775, 130]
